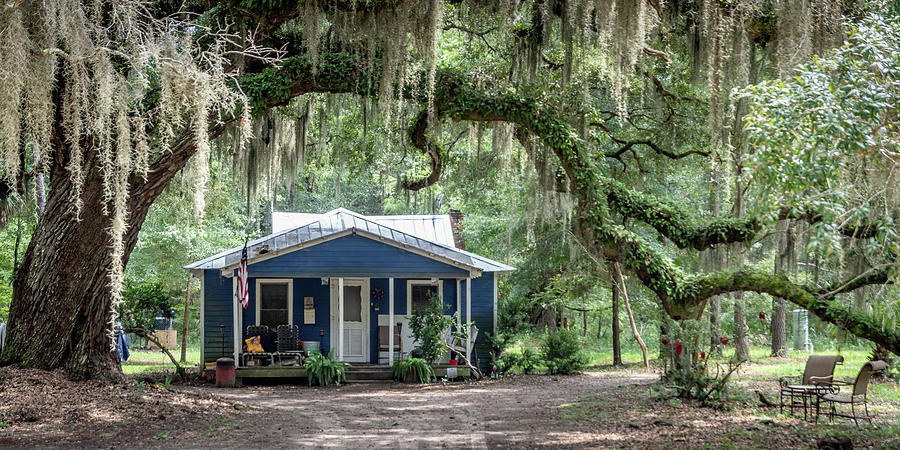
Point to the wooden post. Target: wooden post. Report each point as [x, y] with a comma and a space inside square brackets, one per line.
[468, 318]
[458, 304]
[236, 324]
[184, 326]
[340, 319]
[391, 321]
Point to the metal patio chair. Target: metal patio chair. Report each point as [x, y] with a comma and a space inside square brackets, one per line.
[857, 396]
[287, 350]
[817, 378]
[258, 358]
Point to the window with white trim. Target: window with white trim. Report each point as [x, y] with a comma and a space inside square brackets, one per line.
[418, 293]
[273, 305]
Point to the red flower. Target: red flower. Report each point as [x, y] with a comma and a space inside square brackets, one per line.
[678, 348]
[664, 341]
[762, 316]
[702, 355]
[723, 340]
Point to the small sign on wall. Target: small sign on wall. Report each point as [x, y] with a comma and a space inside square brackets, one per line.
[309, 310]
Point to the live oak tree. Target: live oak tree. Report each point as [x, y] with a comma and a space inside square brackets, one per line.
[112, 99]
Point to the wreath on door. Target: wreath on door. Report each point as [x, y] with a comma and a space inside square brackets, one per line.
[378, 293]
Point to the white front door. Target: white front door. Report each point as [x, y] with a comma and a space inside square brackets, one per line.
[355, 320]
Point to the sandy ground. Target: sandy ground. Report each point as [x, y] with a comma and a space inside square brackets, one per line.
[513, 412]
[617, 409]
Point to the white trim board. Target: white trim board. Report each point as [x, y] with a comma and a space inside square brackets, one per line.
[290, 299]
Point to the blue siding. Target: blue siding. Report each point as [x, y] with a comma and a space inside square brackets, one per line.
[483, 316]
[217, 297]
[353, 256]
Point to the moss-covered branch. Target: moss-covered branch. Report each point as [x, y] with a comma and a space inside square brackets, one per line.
[823, 306]
[682, 296]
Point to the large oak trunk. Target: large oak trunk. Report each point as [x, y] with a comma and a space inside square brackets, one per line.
[61, 311]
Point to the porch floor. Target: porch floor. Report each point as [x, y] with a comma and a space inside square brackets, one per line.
[356, 372]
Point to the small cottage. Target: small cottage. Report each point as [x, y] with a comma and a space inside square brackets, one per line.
[349, 283]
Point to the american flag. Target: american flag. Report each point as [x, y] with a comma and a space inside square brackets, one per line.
[242, 279]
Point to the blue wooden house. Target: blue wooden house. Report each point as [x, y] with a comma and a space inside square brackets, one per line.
[349, 282]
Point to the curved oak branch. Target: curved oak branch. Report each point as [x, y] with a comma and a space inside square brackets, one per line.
[434, 151]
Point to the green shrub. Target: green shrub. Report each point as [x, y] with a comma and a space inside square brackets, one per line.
[562, 352]
[525, 362]
[427, 325]
[325, 370]
[419, 367]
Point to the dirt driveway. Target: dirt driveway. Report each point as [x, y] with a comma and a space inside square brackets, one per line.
[514, 412]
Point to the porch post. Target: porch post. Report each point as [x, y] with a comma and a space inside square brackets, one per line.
[391, 321]
[236, 325]
[340, 319]
[468, 318]
[458, 304]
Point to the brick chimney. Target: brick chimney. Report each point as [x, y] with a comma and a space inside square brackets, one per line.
[456, 218]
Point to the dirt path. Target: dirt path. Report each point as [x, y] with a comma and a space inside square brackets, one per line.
[514, 412]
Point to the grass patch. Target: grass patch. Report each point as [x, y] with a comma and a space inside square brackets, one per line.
[150, 361]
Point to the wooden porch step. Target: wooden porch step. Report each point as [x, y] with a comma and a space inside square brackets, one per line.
[360, 372]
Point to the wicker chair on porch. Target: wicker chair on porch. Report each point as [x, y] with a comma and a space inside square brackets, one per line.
[817, 378]
[857, 396]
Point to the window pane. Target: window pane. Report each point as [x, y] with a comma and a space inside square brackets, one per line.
[420, 294]
[273, 317]
[273, 295]
[352, 303]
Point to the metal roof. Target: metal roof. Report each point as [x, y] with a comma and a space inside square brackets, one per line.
[434, 228]
[300, 230]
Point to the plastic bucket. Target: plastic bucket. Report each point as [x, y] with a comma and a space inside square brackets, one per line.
[311, 345]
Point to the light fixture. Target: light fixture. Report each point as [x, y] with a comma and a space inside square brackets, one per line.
[324, 281]
[434, 281]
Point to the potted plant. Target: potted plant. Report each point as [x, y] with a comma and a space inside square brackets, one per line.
[413, 370]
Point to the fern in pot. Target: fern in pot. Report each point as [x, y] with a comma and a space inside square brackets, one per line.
[325, 370]
[412, 370]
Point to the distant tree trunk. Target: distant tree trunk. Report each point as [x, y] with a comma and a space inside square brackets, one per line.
[620, 281]
[783, 264]
[599, 325]
[584, 322]
[712, 260]
[616, 342]
[738, 147]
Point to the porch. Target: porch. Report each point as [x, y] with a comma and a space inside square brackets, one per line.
[355, 319]
[357, 372]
